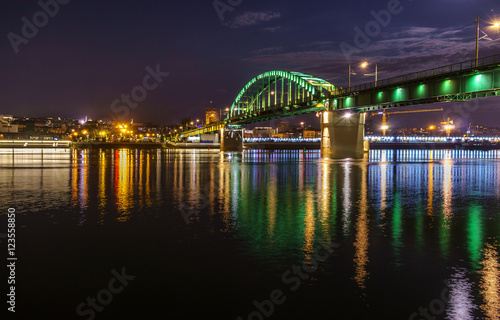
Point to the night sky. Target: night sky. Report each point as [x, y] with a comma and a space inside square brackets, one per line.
[92, 52]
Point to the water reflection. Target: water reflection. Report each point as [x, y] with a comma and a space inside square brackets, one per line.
[362, 234]
[399, 209]
[461, 301]
[490, 282]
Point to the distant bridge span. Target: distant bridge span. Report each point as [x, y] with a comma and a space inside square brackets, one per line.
[277, 94]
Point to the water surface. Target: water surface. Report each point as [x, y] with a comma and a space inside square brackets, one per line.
[206, 234]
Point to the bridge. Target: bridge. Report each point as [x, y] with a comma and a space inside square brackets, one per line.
[277, 94]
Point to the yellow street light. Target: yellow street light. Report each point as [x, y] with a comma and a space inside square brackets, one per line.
[364, 64]
[385, 127]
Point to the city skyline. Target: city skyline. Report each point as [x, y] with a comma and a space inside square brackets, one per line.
[72, 70]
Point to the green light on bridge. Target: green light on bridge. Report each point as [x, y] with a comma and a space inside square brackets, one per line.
[447, 86]
[478, 82]
[380, 96]
[421, 91]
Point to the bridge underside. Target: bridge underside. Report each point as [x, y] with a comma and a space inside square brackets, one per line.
[276, 113]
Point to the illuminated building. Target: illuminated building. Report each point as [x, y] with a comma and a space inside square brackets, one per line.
[211, 115]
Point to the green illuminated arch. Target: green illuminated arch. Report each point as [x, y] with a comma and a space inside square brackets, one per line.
[278, 90]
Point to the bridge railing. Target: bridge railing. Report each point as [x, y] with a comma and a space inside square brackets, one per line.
[461, 66]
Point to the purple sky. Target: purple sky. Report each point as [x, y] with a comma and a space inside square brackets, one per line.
[93, 52]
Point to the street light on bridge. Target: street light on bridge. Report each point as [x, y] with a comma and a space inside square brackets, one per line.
[493, 24]
[365, 64]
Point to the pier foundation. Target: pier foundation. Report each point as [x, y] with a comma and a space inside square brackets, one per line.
[342, 136]
[231, 140]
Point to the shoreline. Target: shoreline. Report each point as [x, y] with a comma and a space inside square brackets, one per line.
[248, 146]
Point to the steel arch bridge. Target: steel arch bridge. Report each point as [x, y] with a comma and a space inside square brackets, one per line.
[272, 95]
[279, 93]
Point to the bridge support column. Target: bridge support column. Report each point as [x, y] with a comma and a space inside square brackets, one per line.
[231, 140]
[342, 137]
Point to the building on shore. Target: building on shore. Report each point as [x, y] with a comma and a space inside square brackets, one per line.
[211, 115]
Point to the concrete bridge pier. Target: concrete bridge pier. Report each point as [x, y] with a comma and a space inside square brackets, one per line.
[342, 135]
[231, 140]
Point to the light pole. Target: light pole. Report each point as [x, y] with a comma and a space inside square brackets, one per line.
[495, 24]
[365, 64]
[349, 81]
[477, 41]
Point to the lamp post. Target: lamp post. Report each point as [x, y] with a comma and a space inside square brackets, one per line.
[477, 41]
[365, 64]
[220, 113]
[494, 24]
[349, 80]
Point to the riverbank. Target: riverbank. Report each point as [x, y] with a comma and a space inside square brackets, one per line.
[36, 144]
[115, 145]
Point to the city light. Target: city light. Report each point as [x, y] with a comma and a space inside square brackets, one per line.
[364, 64]
[432, 127]
[347, 115]
[385, 127]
